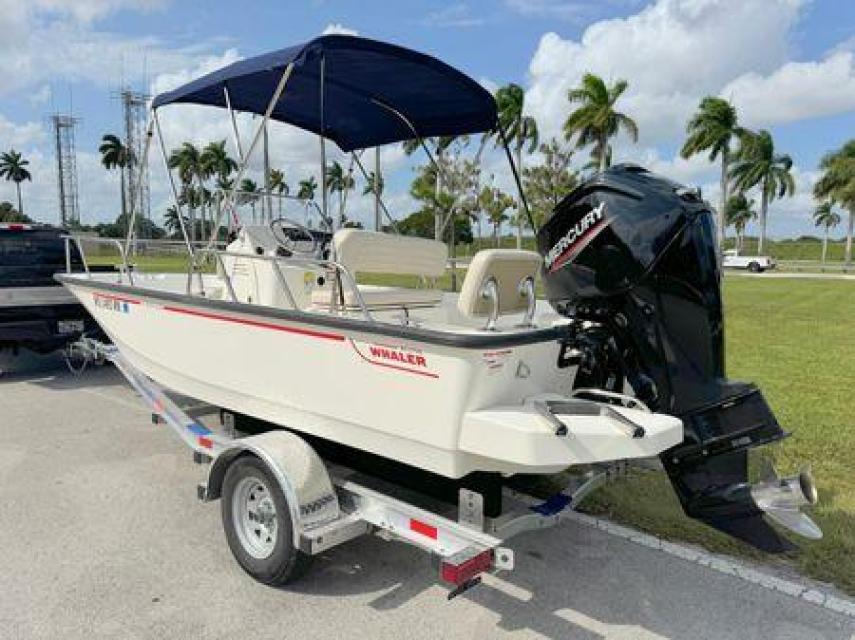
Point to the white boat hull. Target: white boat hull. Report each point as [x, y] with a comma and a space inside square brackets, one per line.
[446, 409]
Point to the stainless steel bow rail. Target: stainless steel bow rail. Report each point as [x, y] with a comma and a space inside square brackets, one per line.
[330, 504]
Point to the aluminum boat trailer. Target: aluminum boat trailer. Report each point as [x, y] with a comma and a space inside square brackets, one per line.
[328, 504]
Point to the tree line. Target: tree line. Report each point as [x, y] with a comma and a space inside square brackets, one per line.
[456, 197]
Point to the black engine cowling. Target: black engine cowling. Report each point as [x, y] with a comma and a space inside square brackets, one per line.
[636, 254]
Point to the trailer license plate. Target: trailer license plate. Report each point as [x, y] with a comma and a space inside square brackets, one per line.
[69, 326]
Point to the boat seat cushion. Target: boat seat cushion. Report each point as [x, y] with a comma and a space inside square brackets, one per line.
[508, 267]
[380, 297]
[371, 252]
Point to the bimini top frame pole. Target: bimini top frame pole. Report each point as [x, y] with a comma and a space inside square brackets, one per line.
[175, 195]
[517, 180]
[324, 198]
[443, 176]
[230, 197]
[378, 199]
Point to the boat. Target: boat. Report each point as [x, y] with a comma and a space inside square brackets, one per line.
[622, 362]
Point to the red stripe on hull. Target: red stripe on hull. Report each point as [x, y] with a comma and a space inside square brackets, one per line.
[256, 323]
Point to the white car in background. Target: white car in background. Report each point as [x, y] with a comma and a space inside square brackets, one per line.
[754, 264]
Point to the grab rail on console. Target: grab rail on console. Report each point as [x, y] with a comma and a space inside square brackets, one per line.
[342, 273]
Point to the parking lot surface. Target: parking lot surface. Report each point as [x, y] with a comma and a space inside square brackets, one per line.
[101, 536]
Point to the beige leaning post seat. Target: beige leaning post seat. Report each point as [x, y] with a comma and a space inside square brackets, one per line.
[370, 252]
[500, 282]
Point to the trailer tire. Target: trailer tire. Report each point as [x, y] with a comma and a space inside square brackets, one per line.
[754, 267]
[257, 522]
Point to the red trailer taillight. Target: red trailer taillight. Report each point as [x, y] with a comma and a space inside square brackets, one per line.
[459, 571]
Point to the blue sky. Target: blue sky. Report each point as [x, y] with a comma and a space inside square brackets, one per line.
[787, 65]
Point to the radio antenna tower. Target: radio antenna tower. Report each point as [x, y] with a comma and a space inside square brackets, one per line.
[66, 168]
[138, 195]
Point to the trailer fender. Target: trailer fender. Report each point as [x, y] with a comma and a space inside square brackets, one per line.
[301, 473]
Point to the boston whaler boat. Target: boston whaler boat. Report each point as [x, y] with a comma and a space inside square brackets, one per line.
[625, 362]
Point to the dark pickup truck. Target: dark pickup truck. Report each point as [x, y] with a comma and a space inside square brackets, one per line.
[36, 312]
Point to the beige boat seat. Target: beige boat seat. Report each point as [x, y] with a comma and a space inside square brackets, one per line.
[370, 252]
[499, 282]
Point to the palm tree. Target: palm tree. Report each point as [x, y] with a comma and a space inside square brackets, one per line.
[597, 159]
[837, 184]
[278, 185]
[374, 186]
[738, 212]
[757, 164]
[518, 130]
[249, 194]
[14, 167]
[341, 182]
[440, 145]
[215, 161]
[187, 161]
[115, 155]
[171, 220]
[495, 202]
[596, 120]
[307, 188]
[713, 128]
[193, 198]
[370, 186]
[825, 216]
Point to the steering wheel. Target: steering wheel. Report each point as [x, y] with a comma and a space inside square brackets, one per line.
[290, 235]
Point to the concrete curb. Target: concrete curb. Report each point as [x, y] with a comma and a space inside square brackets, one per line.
[730, 567]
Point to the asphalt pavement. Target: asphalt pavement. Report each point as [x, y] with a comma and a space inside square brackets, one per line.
[101, 536]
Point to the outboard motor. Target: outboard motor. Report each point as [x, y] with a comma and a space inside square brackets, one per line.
[633, 256]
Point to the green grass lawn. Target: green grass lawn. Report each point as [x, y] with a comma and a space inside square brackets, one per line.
[794, 338]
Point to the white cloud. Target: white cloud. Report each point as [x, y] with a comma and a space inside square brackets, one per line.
[672, 53]
[19, 136]
[340, 29]
[55, 38]
[694, 171]
[89, 10]
[554, 9]
[455, 15]
[170, 80]
[795, 91]
[40, 96]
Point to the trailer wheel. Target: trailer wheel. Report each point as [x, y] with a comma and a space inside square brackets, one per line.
[257, 522]
[754, 267]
